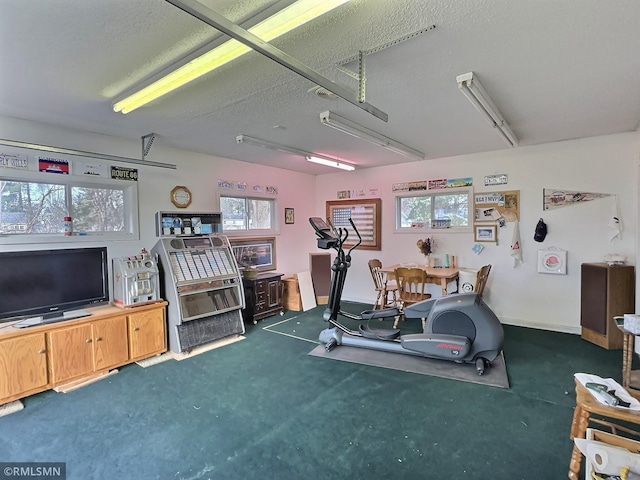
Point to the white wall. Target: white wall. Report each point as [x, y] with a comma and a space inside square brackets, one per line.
[520, 295]
[199, 172]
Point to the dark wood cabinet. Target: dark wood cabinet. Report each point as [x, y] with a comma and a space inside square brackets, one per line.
[263, 296]
[605, 291]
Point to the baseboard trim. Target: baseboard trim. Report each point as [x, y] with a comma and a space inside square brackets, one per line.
[516, 322]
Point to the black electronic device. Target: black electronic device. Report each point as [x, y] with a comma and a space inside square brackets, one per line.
[326, 238]
[47, 283]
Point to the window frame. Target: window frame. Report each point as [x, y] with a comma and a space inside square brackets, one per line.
[131, 216]
[434, 193]
[257, 232]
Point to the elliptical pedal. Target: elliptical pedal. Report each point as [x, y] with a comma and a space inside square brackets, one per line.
[379, 333]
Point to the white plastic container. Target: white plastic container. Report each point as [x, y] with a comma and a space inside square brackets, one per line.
[467, 280]
[632, 323]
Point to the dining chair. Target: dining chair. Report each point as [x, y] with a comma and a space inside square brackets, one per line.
[384, 287]
[481, 279]
[412, 283]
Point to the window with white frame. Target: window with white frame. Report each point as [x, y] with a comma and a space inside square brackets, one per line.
[248, 213]
[433, 209]
[33, 207]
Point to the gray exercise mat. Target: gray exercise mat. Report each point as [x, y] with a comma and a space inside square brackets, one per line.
[495, 376]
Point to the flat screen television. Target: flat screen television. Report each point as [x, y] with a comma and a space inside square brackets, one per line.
[47, 283]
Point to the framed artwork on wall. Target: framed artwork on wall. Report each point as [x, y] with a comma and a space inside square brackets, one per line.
[289, 216]
[255, 252]
[552, 260]
[366, 216]
[485, 233]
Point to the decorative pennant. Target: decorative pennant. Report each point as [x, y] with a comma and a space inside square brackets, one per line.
[554, 198]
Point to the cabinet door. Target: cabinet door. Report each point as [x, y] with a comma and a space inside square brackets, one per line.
[110, 343]
[23, 366]
[147, 334]
[70, 352]
[593, 298]
[274, 293]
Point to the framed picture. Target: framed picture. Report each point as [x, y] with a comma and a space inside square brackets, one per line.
[552, 260]
[485, 233]
[288, 216]
[255, 252]
[365, 214]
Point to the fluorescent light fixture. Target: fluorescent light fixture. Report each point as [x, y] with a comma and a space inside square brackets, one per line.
[354, 129]
[330, 163]
[472, 89]
[284, 21]
[311, 157]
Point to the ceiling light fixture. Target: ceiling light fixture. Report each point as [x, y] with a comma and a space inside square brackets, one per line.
[284, 21]
[354, 129]
[472, 89]
[311, 157]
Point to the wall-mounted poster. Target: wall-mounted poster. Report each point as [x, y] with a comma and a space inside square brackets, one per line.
[490, 206]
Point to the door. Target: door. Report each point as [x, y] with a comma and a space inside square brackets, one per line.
[70, 352]
[147, 334]
[23, 363]
[110, 343]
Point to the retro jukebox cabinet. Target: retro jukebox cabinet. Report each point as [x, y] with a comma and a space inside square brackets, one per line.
[203, 285]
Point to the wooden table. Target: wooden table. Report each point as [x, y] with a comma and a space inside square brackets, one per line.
[586, 405]
[437, 276]
[630, 377]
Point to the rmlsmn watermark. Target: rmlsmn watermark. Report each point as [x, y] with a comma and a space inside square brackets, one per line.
[29, 470]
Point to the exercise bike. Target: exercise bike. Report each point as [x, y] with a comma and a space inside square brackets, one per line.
[459, 327]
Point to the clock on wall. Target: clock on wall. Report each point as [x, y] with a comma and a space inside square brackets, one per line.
[181, 196]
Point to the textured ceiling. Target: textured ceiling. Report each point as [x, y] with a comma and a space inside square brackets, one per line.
[557, 70]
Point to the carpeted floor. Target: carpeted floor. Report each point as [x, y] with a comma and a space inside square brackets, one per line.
[263, 408]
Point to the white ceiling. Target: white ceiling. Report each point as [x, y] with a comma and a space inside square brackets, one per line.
[557, 69]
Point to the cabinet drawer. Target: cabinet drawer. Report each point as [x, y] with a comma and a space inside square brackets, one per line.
[260, 286]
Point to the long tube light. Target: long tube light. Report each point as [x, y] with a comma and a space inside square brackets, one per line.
[284, 21]
[470, 86]
[311, 157]
[354, 129]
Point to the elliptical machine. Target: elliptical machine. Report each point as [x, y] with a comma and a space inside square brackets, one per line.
[460, 328]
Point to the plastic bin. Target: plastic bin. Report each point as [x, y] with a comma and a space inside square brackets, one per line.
[467, 280]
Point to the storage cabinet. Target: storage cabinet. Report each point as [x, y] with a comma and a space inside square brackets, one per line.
[263, 296]
[80, 350]
[23, 366]
[147, 334]
[46, 356]
[605, 291]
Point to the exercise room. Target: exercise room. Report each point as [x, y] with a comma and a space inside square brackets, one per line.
[300, 239]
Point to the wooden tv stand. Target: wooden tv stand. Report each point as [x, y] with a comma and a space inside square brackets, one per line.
[46, 356]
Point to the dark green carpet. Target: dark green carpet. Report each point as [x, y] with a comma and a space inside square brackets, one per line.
[263, 408]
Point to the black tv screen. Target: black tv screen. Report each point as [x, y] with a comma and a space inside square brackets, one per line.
[48, 282]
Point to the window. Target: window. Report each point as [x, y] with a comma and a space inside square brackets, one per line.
[248, 214]
[446, 207]
[33, 210]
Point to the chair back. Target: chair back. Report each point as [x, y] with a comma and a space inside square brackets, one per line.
[378, 277]
[412, 285]
[481, 279]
